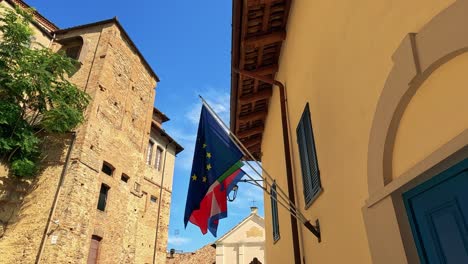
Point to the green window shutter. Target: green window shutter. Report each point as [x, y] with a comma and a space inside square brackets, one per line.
[308, 157]
[274, 212]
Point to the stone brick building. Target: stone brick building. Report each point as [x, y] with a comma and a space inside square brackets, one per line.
[104, 192]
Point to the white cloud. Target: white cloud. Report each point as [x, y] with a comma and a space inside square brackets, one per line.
[218, 101]
[178, 241]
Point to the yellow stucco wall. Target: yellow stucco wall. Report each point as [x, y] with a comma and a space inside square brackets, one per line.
[337, 56]
[442, 100]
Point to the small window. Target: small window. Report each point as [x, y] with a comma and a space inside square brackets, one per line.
[137, 187]
[157, 163]
[72, 47]
[73, 52]
[274, 212]
[103, 197]
[149, 154]
[145, 198]
[124, 177]
[107, 168]
[154, 199]
[308, 156]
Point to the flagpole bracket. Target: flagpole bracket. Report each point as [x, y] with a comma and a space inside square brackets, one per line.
[315, 229]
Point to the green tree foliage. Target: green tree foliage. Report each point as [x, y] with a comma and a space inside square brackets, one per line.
[35, 95]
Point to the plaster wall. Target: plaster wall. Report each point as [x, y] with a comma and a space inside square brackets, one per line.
[336, 57]
[441, 100]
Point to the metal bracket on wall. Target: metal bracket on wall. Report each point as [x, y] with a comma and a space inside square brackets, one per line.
[314, 229]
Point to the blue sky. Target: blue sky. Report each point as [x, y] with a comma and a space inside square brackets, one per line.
[188, 44]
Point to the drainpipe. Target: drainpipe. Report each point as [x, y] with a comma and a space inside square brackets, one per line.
[160, 203]
[287, 154]
[54, 204]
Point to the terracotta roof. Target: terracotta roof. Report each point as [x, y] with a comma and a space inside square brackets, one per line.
[125, 34]
[42, 23]
[258, 31]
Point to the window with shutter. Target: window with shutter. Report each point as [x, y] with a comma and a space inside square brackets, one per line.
[274, 213]
[308, 157]
[157, 163]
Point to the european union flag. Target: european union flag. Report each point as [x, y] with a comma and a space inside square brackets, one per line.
[215, 157]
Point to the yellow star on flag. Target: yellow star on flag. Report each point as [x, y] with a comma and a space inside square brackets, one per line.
[204, 145]
[194, 177]
[208, 167]
[204, 179]
[208, 155]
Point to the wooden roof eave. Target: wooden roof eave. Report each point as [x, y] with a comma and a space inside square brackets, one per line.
[257, 35]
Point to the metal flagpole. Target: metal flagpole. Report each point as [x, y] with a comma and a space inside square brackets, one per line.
[247, 152]
[292, 207]
[296, 214]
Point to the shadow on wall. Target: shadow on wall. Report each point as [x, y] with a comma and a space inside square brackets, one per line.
[17, 195]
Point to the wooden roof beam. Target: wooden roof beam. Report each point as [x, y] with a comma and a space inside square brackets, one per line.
[250, 143]
[253, 116]
[252, 3]
[266, 70]
[266, 39]
[250, 132]
[263, 94]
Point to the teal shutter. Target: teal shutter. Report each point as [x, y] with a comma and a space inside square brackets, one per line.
[308, 157]
[274, 212]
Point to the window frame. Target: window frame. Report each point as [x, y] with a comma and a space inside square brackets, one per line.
[76, 43]
[98, 239]
[107, 187]
[149, 152]
[124, 178]
[311, 181]
[274, 213]
[158, 158]
[107, 164]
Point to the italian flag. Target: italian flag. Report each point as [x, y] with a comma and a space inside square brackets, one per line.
[213, 207]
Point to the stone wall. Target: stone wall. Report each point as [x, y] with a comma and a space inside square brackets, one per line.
[116, 131]
[205, 255]
[25, 204]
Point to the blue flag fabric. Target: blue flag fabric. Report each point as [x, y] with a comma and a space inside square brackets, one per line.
[215, 153]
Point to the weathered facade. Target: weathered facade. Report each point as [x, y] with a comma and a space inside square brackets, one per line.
[370, 133]
[105, 191]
